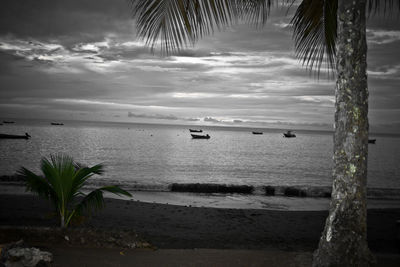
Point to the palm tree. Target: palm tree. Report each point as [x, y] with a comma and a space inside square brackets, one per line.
[324, 30]
[62, 183]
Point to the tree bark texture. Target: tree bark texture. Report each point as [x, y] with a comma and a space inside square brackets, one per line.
[344, 239]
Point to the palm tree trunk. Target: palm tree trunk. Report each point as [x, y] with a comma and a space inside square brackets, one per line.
[344, 239]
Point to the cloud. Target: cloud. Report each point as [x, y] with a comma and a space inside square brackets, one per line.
[82, 56]
[211, 119]
[379, 37]
[159, 116]
[152, 116]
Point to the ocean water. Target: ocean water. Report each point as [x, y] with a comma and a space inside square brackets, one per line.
[144, 156]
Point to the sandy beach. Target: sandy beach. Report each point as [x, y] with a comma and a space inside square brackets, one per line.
[183, 227]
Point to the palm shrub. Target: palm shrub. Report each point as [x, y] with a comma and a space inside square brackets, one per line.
[62, 183]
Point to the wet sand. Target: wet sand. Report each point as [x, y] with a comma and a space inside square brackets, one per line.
[180, 227]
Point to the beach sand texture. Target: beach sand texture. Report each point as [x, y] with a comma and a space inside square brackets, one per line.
[176, 227]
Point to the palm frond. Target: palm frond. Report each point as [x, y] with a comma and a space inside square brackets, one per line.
[82, 174]
[315, 29]
[92, 200]
[35, 183]
[59, 170]
[375, 7]
[176, 23]
[115, 190]
[95, 200]
[315, 33]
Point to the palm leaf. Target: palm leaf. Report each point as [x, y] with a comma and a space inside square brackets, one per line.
[315, 33]
[59, 170]
[315, 30]
[35, 183]
[82, 174]
[177, 23]
[383, 6]
[39, 185]
[95, 200]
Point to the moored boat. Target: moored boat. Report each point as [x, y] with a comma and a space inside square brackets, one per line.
[257, 132]
[289, 134]
[195, 131]
[13, 136]
[8, 121]
[57, 123]
[200, 136]
[371, 141]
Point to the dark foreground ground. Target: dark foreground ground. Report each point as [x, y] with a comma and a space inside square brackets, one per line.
[188, 236]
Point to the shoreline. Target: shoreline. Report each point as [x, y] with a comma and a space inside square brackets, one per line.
[225, 201]
[175, 227]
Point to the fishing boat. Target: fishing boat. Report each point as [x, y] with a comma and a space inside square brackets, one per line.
[200, 136]
[13, 136]
[371, 141]
[289, 134]
[195, 131]
[57, 123]
[257, 132]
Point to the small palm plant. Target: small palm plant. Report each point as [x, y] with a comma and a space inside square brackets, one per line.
[62, 183]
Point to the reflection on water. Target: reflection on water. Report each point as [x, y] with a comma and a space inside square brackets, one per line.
[160, 155]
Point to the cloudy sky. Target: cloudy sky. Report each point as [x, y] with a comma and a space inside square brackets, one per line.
[81, 60]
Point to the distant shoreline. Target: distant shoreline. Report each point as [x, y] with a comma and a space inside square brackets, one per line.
[228, 127]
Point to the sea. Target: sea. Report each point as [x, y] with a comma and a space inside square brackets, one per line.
[152, 157]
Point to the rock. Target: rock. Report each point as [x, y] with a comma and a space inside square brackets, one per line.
[17, 254]
[27, 257]
[131, 245]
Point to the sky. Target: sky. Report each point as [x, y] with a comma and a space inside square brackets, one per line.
[81, 60]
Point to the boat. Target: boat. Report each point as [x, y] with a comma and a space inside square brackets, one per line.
[289, 134]
[8, 121]
[200, 136]
[13, 136]
[195, 131]
[371, 141]
[257, 132]
[57, 123]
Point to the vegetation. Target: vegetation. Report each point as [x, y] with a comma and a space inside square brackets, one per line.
[333, 31]
[62, 182]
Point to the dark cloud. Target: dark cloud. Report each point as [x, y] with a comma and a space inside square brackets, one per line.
[57, 18]
[80, 58]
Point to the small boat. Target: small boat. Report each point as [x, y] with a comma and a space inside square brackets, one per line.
[13, 136]
[200, 136]
[371, 141]
[195, 131]
[8, 121]
[257, 132]
[57, 123]
[289, 134]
